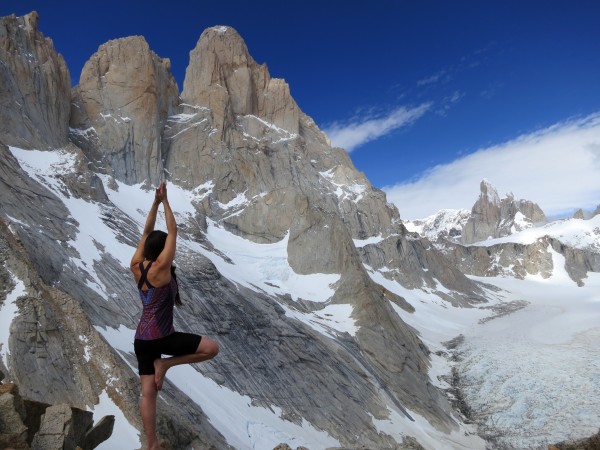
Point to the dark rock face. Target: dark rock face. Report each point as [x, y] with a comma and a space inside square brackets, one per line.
[34, 87]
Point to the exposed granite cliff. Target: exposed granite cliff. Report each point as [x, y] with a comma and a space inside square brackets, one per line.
[34, 86]
[124, 96]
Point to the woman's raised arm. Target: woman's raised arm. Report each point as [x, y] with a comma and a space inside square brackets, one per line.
[138, 256]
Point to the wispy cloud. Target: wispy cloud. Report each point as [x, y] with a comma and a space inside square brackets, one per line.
[450, 72]
[448, 102]
[557, 167]
[359, 131]
[444, 74]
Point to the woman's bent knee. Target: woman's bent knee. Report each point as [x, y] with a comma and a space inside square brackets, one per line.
[208, 347]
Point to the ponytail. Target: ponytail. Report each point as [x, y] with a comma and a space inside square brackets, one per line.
[177, 298]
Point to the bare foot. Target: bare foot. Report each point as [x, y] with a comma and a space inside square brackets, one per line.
[160, 370]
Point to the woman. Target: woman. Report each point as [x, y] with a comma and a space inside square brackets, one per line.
[152, 267]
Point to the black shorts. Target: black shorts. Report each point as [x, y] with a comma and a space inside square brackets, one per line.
[176, 344]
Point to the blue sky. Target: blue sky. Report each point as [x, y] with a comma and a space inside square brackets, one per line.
[415, 90]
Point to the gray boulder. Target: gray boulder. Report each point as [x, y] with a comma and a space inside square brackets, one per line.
[28, 424]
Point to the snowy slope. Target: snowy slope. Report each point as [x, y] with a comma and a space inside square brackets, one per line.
[447, 223]
[575, 233]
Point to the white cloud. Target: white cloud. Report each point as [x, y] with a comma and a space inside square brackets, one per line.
[557, 167]
[352, 134]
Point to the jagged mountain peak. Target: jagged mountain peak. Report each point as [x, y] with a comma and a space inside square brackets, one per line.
[490, 217]
[35, 86]
[493, 217]
[224, 77]
[445, 224]
[488, 193]
[124, 96]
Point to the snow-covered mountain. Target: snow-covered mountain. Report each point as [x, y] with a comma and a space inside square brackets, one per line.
[338, 327]
[446, 224]
[490, 217]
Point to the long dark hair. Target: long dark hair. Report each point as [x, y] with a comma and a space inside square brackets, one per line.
[154, 245]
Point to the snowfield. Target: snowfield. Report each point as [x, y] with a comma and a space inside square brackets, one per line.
[532, 377]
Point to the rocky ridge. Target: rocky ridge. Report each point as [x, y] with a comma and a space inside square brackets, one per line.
[478, 242]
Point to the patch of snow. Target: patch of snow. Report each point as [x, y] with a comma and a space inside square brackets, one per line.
[263, 267]
[331, 320]
[83, 132]
[12, 221]
[8, 311]
[358, 243]
[86, 347]
[353, 191]
[520, 222]
[181, 118]
[397, 425]
[238, 201]
[282, 134]
[124, 434]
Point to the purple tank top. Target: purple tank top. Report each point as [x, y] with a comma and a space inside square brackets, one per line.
[157, 314]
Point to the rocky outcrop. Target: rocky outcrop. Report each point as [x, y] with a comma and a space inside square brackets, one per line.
[34, 86]
[506, 259]
[26, 424]
[421, 265]
[512, 259]
[223, 77]
[492, 217]
[231, 110]
[120, 106]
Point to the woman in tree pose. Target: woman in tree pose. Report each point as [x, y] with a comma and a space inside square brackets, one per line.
[152, 267]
